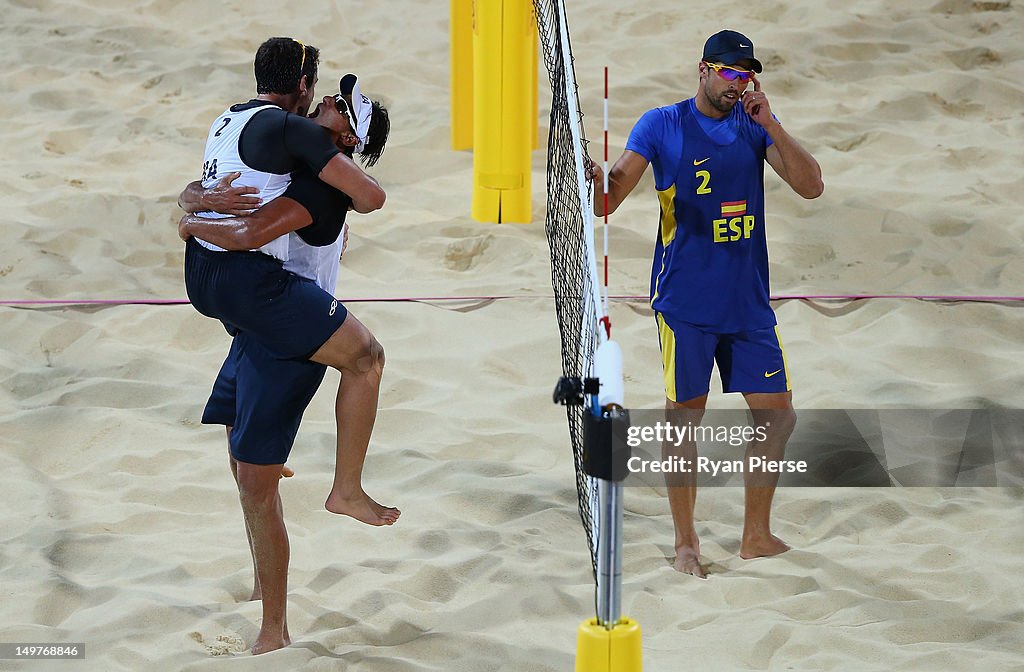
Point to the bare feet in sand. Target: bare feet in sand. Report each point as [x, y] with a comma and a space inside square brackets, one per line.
[265, 644]
[362, 508]
[688, 561]
[762, 547]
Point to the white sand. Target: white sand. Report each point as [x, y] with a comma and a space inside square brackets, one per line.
[120, 526]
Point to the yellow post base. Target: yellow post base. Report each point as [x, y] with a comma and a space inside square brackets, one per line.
[615, 650]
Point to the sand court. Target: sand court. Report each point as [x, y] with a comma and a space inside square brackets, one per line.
[121, 526]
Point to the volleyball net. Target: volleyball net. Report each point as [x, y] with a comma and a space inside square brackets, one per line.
[569, 225]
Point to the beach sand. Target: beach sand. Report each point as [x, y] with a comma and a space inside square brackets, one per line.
[121, 528]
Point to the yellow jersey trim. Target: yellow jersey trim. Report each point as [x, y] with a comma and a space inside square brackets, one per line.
[667, 200]
[667, 338]
[785, 364]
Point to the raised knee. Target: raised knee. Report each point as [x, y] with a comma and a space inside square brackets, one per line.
[372, 359]
[377, 353]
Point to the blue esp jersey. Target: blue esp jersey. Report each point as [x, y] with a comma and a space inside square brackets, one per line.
[711, 257]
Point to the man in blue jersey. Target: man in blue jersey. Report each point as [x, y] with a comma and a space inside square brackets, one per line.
[709, 280]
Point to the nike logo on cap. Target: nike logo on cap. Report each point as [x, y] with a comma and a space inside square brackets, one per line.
[769, 375]
[744, 46]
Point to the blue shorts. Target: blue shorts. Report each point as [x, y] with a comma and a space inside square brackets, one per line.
[251, 292]
[748, 361]
[262, 397]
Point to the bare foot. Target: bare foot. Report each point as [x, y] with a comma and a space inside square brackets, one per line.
[266, 643]
[762, 547]
[688, 561]
[362, 508]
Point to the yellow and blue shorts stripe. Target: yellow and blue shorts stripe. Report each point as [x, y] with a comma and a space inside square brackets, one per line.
[748, 361]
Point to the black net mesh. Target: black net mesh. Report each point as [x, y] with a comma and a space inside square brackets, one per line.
[571, 253]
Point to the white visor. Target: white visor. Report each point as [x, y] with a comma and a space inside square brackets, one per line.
[362, 109]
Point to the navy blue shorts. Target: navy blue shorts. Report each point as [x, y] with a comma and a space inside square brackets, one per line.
[251, 292]
[262, 397]
[748, 361]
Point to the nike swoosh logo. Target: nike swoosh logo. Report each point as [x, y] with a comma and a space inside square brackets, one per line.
[697, 163]
[744, 46]
[769, 375]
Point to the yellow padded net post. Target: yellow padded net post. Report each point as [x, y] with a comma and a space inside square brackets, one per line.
[504, 109]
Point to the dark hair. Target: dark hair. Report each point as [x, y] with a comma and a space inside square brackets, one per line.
[280, 64]
[376, 135]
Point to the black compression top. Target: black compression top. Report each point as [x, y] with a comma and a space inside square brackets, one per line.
[279, 142]
[276, 141]
[326, 205]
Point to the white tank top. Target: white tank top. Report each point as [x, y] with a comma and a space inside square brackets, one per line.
[222, 157]
[319, 264]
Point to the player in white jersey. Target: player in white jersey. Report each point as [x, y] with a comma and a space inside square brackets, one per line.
[222, 155]
[258, 396]
[291, 316]
[288, 316]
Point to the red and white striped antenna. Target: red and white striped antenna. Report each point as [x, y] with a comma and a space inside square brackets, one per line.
[606, 319]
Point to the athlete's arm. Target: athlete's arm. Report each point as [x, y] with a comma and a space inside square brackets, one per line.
[793, 163]
[622, 179]
[306, 141]
[277, 218]
[221, 197]
[785, 155]
[343, 174]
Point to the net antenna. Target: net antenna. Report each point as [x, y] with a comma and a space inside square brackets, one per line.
[606, 320]
[569, 225]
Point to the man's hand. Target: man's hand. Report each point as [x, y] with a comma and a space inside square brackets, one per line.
[229, 200]
[594, 172]
[756, 105]
[344, 237]
[183, 232]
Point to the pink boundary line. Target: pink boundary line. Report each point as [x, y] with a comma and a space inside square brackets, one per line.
[426, 299]
[860, 297]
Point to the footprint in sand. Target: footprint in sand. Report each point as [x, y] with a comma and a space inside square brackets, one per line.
[462, 254]
[223, 645]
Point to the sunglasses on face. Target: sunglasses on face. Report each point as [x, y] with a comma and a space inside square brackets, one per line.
[342, 105]
[730, 73]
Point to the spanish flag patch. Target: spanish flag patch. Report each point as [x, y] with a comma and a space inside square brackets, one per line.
[734, 209]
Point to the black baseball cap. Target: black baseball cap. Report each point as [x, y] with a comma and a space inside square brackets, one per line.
[729, 48]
